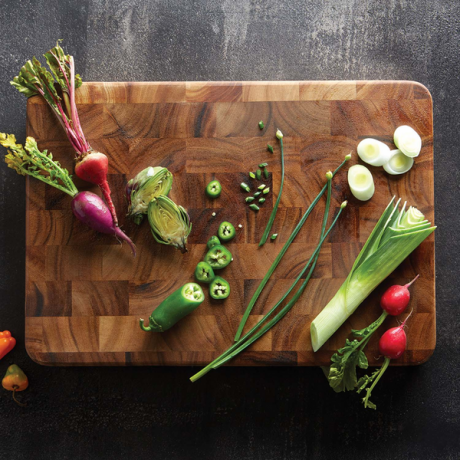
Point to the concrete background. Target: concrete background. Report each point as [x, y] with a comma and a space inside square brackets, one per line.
[236, 413]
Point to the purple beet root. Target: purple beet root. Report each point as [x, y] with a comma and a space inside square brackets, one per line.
[92, 211]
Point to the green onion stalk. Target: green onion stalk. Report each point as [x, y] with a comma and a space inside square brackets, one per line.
[394, 237]
[267, 322]
[144, 187]
[170, 223]
[282, 252]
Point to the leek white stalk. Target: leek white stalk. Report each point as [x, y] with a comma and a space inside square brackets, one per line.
[394, 237]
[408, 141]
[373, 152]
[398, 163]
[361, 182]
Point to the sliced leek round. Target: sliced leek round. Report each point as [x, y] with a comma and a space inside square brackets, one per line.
[408, 141]
[373, 152]
[361, 182]
[398, 163]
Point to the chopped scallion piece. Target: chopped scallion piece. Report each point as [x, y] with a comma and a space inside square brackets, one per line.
[245, 187]
[249, 199]
[261, 124]
[254, 207]
[259, 174]
[257, 194]
[273, 237]
[269, 148]
[261, 200]
[252, 175]
[266, 190]
[263, 165]
[261, 187]
[266, 173]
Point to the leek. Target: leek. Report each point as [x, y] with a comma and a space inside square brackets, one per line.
[395, 236]
[361, 182]
[398, 163]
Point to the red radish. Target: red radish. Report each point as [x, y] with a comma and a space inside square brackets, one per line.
[396, 298]
[59, 93]
[392, 345]
[93, 167]
[92, 211]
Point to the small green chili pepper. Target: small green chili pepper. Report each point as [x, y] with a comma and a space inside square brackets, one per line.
[213, 241]
[252, 175]
[219, 288]
[179, 304]
[213, 189]
[249, 199]
[261, 187]
[261, 124]
[266, 173]
[266, 190]
[204, 272]
[261, 200]
[263, 165]
[218, 257]
[269, 148]
[226, 231]
[254, 207]
[259, 174]
[245, 187]
[273, 237]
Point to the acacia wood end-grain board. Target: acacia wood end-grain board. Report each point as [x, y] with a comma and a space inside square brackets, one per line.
[85, 292]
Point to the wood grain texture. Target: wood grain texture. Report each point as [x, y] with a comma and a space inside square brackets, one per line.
[85, 292]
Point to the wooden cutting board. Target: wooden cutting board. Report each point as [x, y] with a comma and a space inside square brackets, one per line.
[85, 293]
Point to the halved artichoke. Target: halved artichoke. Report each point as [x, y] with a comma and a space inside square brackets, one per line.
[148, 184]
[170, 223]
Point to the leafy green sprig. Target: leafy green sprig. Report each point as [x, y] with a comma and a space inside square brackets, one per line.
[28, 160]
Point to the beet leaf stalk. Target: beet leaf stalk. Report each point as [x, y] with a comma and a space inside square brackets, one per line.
[58, 89]
[86, 206]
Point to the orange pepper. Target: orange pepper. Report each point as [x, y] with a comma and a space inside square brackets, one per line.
[7, 343]
[15, 380]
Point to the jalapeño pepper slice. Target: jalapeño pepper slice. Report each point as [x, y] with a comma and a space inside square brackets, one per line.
[218, 257]
[226, 231]
[204, 272]
[213, 189]
[213, 241]
[219, 288]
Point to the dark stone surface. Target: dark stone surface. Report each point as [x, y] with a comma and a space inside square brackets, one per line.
[236, 413]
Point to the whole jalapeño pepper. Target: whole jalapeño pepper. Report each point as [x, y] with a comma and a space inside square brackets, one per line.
[219, 288]
[226, 231]
[179, 304]
[218, 257]
[204, 272]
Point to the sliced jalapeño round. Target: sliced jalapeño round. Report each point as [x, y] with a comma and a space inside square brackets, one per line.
[204, 272]
[218, 257]
[219, 288]
[226, 231]
[213, 189]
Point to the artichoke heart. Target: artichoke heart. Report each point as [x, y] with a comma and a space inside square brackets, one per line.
[148, 184]
[170, 223]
